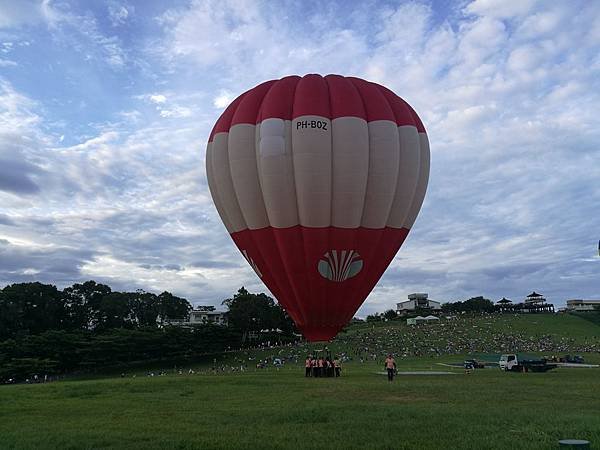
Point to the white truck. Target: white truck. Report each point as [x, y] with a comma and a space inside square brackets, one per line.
[517, 363]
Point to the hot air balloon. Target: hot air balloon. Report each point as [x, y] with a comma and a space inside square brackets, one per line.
[318, 180]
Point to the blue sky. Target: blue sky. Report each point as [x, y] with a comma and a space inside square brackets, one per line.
[106, 107]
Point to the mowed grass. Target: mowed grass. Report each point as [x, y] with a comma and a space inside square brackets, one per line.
[577, 328]
[281, 409]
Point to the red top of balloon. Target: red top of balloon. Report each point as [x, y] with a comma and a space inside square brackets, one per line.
[331, 96]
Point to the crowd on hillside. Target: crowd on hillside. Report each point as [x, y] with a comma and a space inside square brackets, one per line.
[457, 336]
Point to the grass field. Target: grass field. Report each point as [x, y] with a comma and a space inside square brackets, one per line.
[269, 408]
[281, 409]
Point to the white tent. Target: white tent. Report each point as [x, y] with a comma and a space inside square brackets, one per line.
[415, 320]
[430, 318]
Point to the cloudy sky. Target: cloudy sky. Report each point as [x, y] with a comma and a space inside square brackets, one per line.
[106, 107]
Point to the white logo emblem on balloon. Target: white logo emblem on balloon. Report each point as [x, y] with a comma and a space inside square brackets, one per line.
[339, 265]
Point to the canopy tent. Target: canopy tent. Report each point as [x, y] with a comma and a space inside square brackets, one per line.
[420, 319]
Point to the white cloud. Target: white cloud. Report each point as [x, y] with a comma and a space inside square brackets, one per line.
[544, 23]
[16, 13]
[237, 36]
[77, 32]
[98, 142]
[500, 8]
[405, 29]
[176, 112]
[16, 111]
[131, 116]
[223, 99]
[118, 13]
[524, 58]
[158, 98]
[96, 45]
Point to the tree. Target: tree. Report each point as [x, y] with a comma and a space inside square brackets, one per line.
[171, 307]
[450, 307]
[115, 311]
[390, 314]
[479, 304]
[145, 308]
[9, 316]
[249, 312]
[82, 304]
[255, 312]
[374, 318]
[474, 304]
[30, 308]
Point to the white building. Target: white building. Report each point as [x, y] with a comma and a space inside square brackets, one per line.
[582, 305]
[417, 301]
[216, 317]
[202, 317]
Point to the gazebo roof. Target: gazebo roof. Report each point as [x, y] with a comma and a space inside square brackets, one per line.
[504, 300]
[534, 294]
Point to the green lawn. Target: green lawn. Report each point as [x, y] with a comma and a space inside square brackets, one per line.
[281, 409]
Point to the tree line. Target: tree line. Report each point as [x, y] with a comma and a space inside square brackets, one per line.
[473, 305]
[32, 308]
[88, 326]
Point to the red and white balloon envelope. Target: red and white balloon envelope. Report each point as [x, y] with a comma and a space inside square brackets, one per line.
[318, 180]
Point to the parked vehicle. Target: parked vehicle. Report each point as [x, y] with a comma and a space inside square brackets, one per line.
[473, 364]
[576, 359]
[516, 363]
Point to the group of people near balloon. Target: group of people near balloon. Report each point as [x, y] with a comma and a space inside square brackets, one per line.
[322, 367]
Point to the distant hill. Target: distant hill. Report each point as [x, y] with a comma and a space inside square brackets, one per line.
[463, 334]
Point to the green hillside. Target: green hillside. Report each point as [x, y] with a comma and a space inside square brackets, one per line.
[560, 325]
[578, 327]
[484, 337]
[545, 334]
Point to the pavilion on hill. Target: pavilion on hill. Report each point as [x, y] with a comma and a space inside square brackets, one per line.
[534, 297]
[535, 303]
[505, 305]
